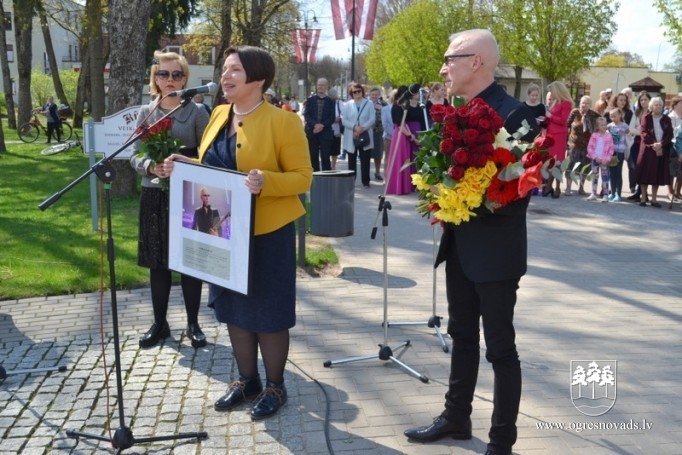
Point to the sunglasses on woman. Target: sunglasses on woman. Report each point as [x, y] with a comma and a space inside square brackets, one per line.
[176, 75]
[355, 92]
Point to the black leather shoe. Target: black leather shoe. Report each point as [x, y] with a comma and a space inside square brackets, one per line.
[155, 334]
[492, 451]
[238, 392]
[439, 428]
[196, 335]
[269, 401]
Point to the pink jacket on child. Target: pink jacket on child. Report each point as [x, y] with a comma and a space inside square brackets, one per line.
[607, 147]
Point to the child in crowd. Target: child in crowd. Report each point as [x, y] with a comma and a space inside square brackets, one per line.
[577, 147]
[619, 133]
[600, 151]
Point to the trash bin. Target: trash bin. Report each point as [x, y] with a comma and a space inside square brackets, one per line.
[332, 197]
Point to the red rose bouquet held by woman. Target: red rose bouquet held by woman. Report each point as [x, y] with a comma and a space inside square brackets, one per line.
[469, 165]
[158, 145]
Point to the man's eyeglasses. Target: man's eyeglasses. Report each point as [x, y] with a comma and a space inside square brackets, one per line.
[176, 75]
[355, 92]
[448, 59]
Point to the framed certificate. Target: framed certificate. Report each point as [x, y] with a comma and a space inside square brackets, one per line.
[211, 225]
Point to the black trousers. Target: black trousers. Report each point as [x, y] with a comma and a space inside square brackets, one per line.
[54, 128]
[320, 148]
[493, 302]
[365, 158]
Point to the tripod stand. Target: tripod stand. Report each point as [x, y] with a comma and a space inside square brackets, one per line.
[385, 351]
[123, 436]
[4, 373]
[434, 320]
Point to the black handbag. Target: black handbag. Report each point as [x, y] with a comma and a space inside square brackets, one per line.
[363, 139]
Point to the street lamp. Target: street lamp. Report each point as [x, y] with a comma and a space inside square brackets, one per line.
[306, 47]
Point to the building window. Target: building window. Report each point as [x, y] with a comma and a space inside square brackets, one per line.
[207, 56]
[10, 52]
[176, 49]
[8, 22]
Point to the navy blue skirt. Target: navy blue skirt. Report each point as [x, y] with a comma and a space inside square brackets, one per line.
[271, 305]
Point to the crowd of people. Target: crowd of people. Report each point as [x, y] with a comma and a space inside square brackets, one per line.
[484, 258]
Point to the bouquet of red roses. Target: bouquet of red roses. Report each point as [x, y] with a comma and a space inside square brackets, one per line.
[157, 144]
[470, 165]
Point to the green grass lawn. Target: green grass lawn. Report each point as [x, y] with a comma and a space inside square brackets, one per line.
[56, 251]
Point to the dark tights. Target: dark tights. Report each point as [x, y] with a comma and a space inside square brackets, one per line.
[274, 349]
[161, 281]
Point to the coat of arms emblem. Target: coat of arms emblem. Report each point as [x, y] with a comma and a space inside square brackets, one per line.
[593, 386]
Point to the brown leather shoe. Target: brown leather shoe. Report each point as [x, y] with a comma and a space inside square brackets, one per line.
[440, 428]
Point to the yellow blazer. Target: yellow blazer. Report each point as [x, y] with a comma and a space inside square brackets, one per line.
[273, 141]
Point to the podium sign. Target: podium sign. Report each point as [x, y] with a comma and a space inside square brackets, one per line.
[107, 136]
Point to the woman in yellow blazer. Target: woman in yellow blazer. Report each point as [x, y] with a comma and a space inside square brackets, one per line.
[252, 136]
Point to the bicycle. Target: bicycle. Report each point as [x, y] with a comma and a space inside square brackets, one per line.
[29, 132]
[61, 147]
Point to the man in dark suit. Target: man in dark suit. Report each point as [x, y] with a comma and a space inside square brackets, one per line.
[206, 219]
[485, 259]
[319, 116]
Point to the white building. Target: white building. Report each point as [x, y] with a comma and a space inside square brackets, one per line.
[64, 42]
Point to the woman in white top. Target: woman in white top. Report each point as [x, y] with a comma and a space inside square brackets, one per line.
[357, 117]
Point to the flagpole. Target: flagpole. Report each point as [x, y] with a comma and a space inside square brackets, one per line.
[352, 47]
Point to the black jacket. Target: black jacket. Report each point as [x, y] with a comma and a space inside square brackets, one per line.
[493, 247]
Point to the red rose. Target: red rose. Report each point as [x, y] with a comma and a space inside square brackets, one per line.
[456, 172]
[470, 136]
[485, 124]
[447, 147]
[460, 156]
[543, 142]
[438, 112]
[481, 160]
[452, 131]
[531, 158]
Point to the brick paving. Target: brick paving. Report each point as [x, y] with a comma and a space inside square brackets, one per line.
[603, 284]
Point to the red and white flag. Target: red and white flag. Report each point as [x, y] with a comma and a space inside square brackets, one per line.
[305, 42]
[354, 17]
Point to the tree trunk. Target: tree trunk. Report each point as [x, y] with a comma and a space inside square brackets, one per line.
[225, 39]
[518, 74]
[128, 21]
[83, 91]
[6, 78]
[23, 27]
[95, 45]
[49, 49]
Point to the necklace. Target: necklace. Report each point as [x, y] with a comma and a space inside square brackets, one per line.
[242, 114]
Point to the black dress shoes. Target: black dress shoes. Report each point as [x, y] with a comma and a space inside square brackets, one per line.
[195, 334]
[269, 401]
[155, 334]
[440, 428]
[492, 451]
[239, 391]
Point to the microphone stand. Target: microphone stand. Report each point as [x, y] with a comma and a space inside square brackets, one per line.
[385, 351]
[123, 436]
[434, 320]
[4, 373]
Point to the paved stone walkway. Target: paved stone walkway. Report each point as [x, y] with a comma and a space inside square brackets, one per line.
[604, 283]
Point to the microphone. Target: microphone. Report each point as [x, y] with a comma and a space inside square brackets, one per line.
[211, 88]
[422, 94]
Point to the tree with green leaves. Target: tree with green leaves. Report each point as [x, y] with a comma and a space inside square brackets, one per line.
[555, 38]
[672, 20]
[613, 58]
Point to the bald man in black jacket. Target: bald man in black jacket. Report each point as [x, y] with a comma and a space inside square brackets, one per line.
[485, 259]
